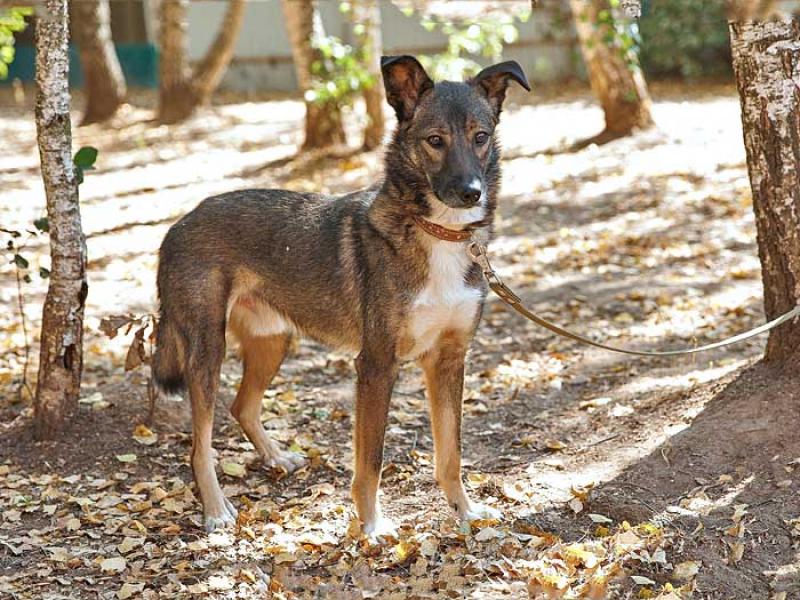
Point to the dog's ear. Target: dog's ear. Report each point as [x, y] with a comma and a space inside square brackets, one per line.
[493, 82]
[405, 81]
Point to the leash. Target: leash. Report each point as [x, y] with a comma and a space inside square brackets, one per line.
[477, 252]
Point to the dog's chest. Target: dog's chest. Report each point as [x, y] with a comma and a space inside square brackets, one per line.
[445, 303]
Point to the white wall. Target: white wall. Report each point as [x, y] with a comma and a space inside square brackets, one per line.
[263, 56]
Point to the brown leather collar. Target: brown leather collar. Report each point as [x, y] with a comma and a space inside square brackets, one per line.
[443, 233]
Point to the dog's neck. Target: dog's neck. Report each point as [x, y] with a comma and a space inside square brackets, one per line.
[399, 203]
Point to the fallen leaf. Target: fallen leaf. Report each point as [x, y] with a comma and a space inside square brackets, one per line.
[686, 570]
[144, 435]
[129, 589]
[233, 469]
[116, 564]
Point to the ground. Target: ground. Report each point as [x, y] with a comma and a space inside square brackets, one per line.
[618, 477]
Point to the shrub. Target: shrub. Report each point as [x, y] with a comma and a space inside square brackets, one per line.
[687, 38]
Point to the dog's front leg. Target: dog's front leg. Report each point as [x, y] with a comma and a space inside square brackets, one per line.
[444, 375]
[377, 371]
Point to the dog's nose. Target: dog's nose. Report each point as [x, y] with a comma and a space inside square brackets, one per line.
[471, 194]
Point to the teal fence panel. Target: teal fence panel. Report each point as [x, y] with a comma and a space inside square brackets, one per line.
[139, 63]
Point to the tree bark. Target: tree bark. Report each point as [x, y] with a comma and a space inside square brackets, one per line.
[181, 91]
[61, 353]
[765, 60]
[323, 126]
[210, 71]
[748, 10]
[367, 23]
[174, 101]
[616, 82]
[104, 83]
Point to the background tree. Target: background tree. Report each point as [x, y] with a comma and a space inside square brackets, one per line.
[182, 90]
[61, 354]
[766, 68]
[104, 83]
[366, 15]
[609, 52]
[323, 123]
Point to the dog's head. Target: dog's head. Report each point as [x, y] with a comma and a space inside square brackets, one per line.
[445, 145]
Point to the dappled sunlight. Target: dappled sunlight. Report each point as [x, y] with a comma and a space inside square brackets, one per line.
[647, 242]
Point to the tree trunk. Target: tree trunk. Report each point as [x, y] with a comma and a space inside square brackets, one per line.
[766, 67]
[367, 24]
[174, 98]
[323, 125]
[105, 84]
[180, 90]
[748, 10]
[616, 80]
[210, 71]
[61, 354]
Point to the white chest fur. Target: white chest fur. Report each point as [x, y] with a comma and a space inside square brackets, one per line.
[446, 302]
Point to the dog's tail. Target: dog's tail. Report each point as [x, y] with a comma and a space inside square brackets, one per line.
[168, 359]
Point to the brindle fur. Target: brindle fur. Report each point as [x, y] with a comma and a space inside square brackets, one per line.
[264, 265]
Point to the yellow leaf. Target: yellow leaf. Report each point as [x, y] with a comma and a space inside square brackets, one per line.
[144, 435]
[233, 469]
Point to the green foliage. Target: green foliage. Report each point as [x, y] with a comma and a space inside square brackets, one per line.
[12, 20]
[84, 161]
[469, 40]
[688, 38]
[15, 246]
[339, 74]
[620, 33]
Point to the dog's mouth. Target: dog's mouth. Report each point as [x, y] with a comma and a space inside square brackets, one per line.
[454, 217]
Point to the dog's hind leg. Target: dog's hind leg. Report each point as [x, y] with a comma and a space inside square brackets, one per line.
[206, 351]
[444, 374]
[261, 357]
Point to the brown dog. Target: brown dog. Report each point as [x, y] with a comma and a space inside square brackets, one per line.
[383, 273]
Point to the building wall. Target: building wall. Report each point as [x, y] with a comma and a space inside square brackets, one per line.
[263, 60]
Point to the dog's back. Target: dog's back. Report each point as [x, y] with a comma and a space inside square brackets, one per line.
[266, 261]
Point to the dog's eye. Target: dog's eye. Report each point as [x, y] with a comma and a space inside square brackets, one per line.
[436, 141]
[481, 137]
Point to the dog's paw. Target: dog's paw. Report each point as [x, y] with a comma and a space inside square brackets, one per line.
[285, 461]
[479, 511]
[225, 517]
[379, 530]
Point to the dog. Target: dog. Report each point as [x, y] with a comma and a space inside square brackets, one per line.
[382, 273]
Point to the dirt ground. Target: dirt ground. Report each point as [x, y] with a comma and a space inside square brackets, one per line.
[618, 477]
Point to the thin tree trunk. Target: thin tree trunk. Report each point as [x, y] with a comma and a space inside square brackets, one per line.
[367, 21]
[174, 98]
[181, 91]
[767, 70]
[105, 85]
[61, 354]
[209, 72]
[323, 125]
[616, 82]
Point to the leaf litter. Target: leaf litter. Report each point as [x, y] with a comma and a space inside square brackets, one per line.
[647, 241]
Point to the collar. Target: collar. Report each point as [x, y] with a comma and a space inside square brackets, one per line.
[443, 233]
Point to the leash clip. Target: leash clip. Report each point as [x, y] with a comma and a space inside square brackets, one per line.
[477, 252]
